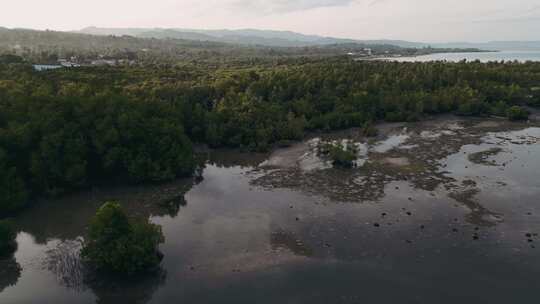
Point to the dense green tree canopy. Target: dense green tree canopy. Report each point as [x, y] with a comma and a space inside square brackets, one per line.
[121, 245]
[72, 128]
[7, 238]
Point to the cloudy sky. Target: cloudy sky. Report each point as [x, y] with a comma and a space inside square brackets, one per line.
[419, 20]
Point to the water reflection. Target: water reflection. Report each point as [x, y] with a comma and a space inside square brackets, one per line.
[64, 261]
[138, 290]
[63, 223]
[10, 271]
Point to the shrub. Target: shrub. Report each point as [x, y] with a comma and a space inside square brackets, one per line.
[122, 245]
[517, 113]
[369, 130]
[7, 238]
[341, 156]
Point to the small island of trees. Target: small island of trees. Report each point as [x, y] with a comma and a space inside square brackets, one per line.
[122, 245]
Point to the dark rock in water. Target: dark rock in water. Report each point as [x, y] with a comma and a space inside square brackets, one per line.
[376, 225]
[475, 237]
[408, 241]
[383, 214]
[409, 213]
[297, 219]
[528, 235]
[422, 227]
[454, 230]
[530, 240]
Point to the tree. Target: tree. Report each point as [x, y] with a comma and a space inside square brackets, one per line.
[341, 156]
[369, 130]
[517, 113]
[122, 245]
[7, 238]
[13, 193]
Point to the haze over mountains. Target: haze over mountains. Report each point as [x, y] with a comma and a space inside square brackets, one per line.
[291, 39]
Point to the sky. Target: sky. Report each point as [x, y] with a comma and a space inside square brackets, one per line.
[415, 20]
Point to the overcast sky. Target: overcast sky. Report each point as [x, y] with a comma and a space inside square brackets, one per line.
[419, 20]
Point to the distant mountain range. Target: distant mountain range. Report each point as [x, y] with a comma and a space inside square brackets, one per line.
[291, 39]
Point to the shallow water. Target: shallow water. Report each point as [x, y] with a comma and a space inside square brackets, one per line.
[420, 222]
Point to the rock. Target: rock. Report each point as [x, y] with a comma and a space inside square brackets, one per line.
[377, 225]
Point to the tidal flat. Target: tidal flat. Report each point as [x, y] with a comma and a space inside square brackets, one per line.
[440, 211]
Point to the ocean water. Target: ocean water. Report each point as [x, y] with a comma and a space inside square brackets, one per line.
[521, 56]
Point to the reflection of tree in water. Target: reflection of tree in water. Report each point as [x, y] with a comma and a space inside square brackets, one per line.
[228, 158]
[67, 218]
[113, 290]
[65, 262]
[10, 271]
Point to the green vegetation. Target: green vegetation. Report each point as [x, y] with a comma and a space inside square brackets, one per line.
[516, 113]
[369, 130]
[69, 129]
[121, 245]
[341, 155]
[7, 238]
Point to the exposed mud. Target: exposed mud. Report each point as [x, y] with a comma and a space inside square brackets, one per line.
[483, 156]
[413, 153]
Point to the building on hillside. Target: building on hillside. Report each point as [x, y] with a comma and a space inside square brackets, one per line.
[46, 67]
[100, 62]
[68, 64]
